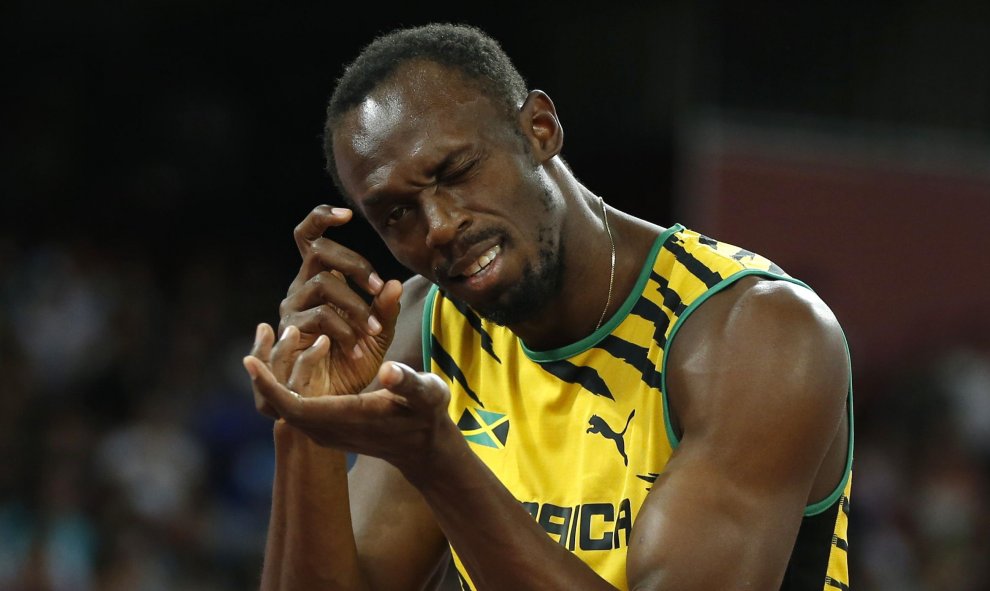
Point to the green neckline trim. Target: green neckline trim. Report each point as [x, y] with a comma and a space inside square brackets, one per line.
[607, 328]
[427, 323]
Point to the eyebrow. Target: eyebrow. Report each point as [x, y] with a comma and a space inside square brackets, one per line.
[378, 199]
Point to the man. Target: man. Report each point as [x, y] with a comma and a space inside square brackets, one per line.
[522, 400]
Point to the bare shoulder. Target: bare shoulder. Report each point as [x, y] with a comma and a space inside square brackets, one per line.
[773, 345]
[415, 290]
[407, 346]
[757, 382]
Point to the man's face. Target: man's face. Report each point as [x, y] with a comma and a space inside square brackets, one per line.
[451, 188]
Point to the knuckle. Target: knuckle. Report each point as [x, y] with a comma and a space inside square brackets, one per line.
[299, 232]
[296, 284]
[326, 320]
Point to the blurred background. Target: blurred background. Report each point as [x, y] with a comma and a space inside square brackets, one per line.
[157, 154]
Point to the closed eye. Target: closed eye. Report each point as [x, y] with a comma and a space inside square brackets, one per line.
[459, 173]
[396, 214]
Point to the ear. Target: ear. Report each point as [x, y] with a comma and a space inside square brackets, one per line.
[540, 125]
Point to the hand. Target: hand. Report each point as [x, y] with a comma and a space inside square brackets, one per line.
[401, 423]
[321, 302]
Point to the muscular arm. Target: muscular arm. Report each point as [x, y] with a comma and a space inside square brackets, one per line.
[396, 543]
[758, 382]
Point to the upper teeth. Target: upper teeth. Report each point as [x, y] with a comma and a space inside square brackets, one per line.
[483, 261]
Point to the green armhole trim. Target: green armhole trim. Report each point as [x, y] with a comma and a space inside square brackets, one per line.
[828, 501]
[431, 297]
[607, 328]
[810, 510]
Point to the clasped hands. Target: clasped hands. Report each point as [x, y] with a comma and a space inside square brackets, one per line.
[325, 375]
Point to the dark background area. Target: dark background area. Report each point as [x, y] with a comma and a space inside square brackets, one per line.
[156, 156]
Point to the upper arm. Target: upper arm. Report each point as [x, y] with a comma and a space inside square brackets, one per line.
[399, 542]
[758, 380]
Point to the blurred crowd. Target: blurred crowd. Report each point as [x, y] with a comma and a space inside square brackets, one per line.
[133, 457]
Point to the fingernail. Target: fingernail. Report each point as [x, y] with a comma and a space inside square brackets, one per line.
[250, 369]
[375, 282]
[374, 325]
[320, 341]
[356, 352]
[258, 332]
[339, 211]
[394, 372]
[285, 333]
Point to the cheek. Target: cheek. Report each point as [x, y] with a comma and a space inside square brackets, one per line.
[415, 259]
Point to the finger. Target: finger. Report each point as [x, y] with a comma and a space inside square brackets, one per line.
[421, 389]
[319, 253]
[283, 402]
[316, 223]
[325, 320]
[284, 353]
[264, 337]
[324, 254]
[323, 413]
[307, 364]
[330, 288]
[261, 404]
[385, 307]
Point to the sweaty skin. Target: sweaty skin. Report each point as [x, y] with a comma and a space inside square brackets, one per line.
[757, 378]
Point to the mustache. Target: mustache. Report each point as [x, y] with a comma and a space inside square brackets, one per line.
[464, 244]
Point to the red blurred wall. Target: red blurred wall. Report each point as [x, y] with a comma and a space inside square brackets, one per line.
[893, 232]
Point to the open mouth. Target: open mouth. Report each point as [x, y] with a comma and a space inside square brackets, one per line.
[482, 261]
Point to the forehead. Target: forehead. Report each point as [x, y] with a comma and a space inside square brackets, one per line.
[421, 111]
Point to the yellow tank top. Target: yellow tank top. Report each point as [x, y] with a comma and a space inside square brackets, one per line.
[579, 434]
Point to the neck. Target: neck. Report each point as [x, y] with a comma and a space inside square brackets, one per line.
[587, 264]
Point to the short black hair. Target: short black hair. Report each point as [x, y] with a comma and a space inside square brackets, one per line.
[465, 48]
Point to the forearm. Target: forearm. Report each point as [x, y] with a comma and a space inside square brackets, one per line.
[497, 540]
[310, 540]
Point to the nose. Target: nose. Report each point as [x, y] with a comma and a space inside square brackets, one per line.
[445, 220]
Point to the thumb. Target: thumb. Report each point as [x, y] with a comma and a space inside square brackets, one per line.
[420, 389]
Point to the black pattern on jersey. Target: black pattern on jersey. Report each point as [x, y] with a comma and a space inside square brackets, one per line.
[671, 299]
[586, 377]
[463, 581]
[694, 266]
[650, 477]
[840, 543]
[646, 309]
[707, 241]
[809, 562]
[475, 321]
[635, 356]
[740, 255]
[449, 367]
[743, 254]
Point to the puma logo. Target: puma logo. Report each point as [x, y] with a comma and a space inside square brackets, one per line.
[599, 426]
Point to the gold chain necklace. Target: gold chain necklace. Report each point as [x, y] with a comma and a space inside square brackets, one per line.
[611, 277]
